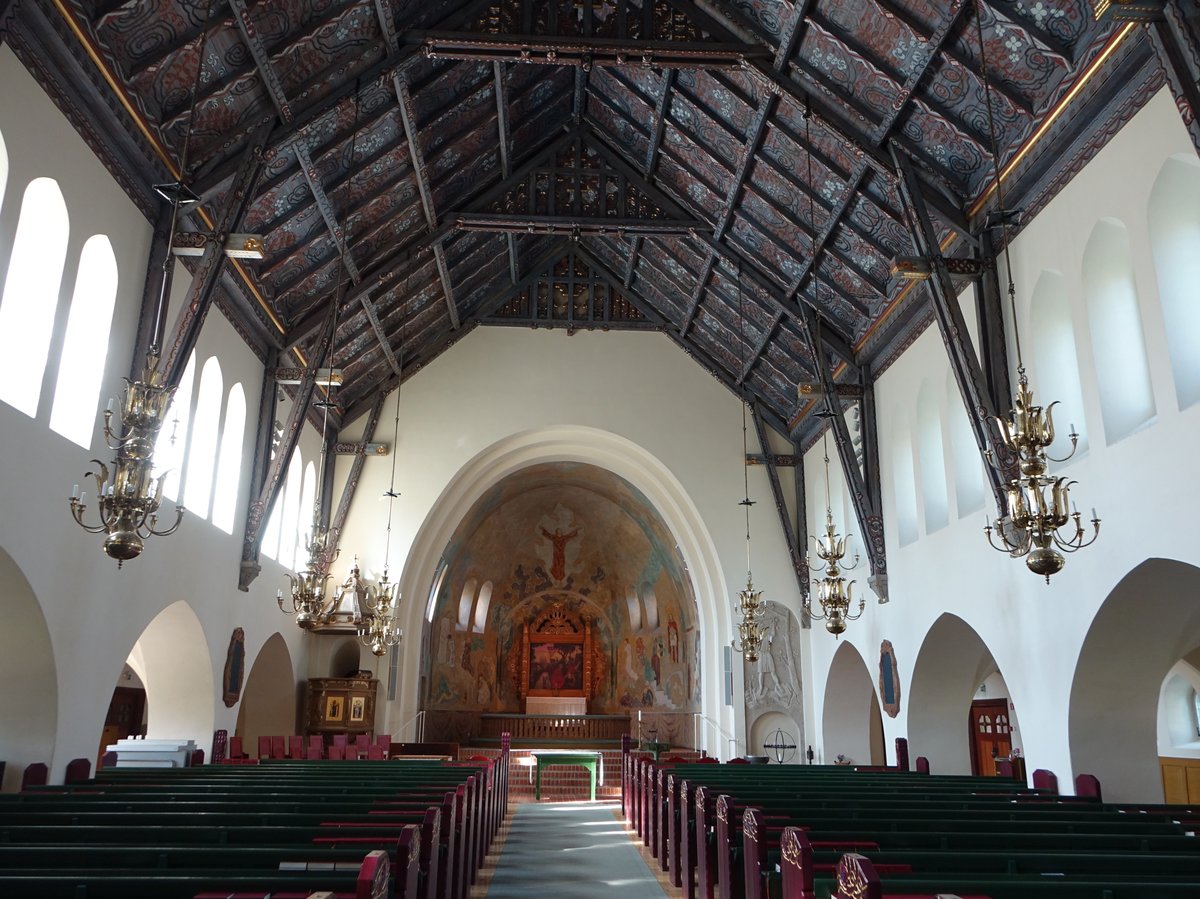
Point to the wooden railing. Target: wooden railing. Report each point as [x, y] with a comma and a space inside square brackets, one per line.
[555, 727]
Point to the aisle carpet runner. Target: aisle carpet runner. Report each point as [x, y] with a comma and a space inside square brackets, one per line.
[571, 849]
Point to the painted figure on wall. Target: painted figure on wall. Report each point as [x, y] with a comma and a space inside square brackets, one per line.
[559, 540]
[673, 639]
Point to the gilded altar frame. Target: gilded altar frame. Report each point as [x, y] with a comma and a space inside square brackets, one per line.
[556, 655]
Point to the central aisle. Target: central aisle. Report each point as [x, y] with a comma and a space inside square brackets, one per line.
[576, 850]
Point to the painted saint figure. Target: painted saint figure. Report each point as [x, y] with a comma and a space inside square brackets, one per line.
[558, 567]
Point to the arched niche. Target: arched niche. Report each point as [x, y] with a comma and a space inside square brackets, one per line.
[952, 664]
[173, 660]
[1122, 371]
[932, 458]
[851, 723]
[1178, 730]
[1174, 222]
[968, 467]
[1055, 375]
[29, 703]
[268, 704]
[1149, 621]
[904, 485]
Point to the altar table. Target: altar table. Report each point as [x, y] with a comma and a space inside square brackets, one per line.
[591, 760]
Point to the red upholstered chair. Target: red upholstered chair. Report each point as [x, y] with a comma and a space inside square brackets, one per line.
[196, 758]
[35, 775]
[1045, 780]
[108, 760]
[707, 760]
[264, 747]
[738, 761]
[1087, 786]
[78, 770]
[295, 747]
[278, 745]
[337, 752]
[235, 748]
[376, 753]
[316, 746]
[384, 741]
[361, 742]
[923, 766]
[341, 740]
[674, 760]
[1004, 768]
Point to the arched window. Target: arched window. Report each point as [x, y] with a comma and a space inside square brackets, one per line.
[904, 486]
[172, 439]
[1055, 374]
[81, 366]
[289, 519]
[269, 545]
[635, 609]
[481, 607]
[229, 465]
[1174, 216]
[465, 601]
[202, 455]
[968, 467]
[932, 459]
[304, 519]
[31, 292]
[1122, 373]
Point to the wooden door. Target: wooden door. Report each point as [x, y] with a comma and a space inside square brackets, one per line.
[124, 717]
[991, 734]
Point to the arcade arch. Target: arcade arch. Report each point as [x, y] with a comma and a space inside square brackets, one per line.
[1125, 658]
[851, 723]
[27, 666]
[173, 660]
[951, 666]
[268, 704]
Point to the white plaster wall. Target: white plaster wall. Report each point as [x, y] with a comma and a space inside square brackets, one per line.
[95, 613]
[1143, 486]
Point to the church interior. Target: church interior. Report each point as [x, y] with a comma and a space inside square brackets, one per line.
[421, 379]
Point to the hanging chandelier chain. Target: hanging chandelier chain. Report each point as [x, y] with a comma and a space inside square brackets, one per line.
[391, 494]
[1000, 204]
[745, 438]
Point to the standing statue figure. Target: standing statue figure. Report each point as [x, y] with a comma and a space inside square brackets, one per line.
[558, 567]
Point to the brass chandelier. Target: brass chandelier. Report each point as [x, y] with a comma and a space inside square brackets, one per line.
[129, 495]
[748, 608]
[1036, 505]
[833, 593]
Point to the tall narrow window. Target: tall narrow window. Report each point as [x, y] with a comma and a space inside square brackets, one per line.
[81, 368]
[1122, 372]
[170, 447]
[31, 292]
[202, 455]
[481, 607]
[1056, 373]
[304, 520]
[932, 459]
[229, 466]
[3, 169]
[465, 602]
[289, 523]
[269, 546]
[1175, 240]
[968, 467]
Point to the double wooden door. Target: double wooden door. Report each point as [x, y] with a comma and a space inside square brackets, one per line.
[991, 734]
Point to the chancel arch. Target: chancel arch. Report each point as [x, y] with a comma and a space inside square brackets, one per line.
[27, 667]
[1147, 624]
[851, 722]
[629, 471]
[944, 702]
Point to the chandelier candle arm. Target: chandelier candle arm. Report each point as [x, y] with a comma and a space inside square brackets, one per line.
[834, 595]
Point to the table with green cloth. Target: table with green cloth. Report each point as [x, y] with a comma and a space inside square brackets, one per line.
[593, 760]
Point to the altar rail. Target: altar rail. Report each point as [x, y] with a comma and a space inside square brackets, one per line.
[554, 728]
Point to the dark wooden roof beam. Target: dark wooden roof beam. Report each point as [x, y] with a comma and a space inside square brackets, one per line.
[262, 60]
[584, 52]
[793, 33]
[1042, 39]
[760, 348]
[384, 344]
[660, 123]
[325, 207]
[572, 225]
[385, 13]
[698, 294]
[753, 140]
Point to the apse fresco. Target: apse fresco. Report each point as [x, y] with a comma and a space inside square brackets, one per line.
[582, 538]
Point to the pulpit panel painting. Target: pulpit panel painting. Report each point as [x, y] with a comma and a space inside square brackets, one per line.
[579, 538]
[556, 667]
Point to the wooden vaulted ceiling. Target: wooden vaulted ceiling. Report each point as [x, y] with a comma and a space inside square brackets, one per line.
[612, 164]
